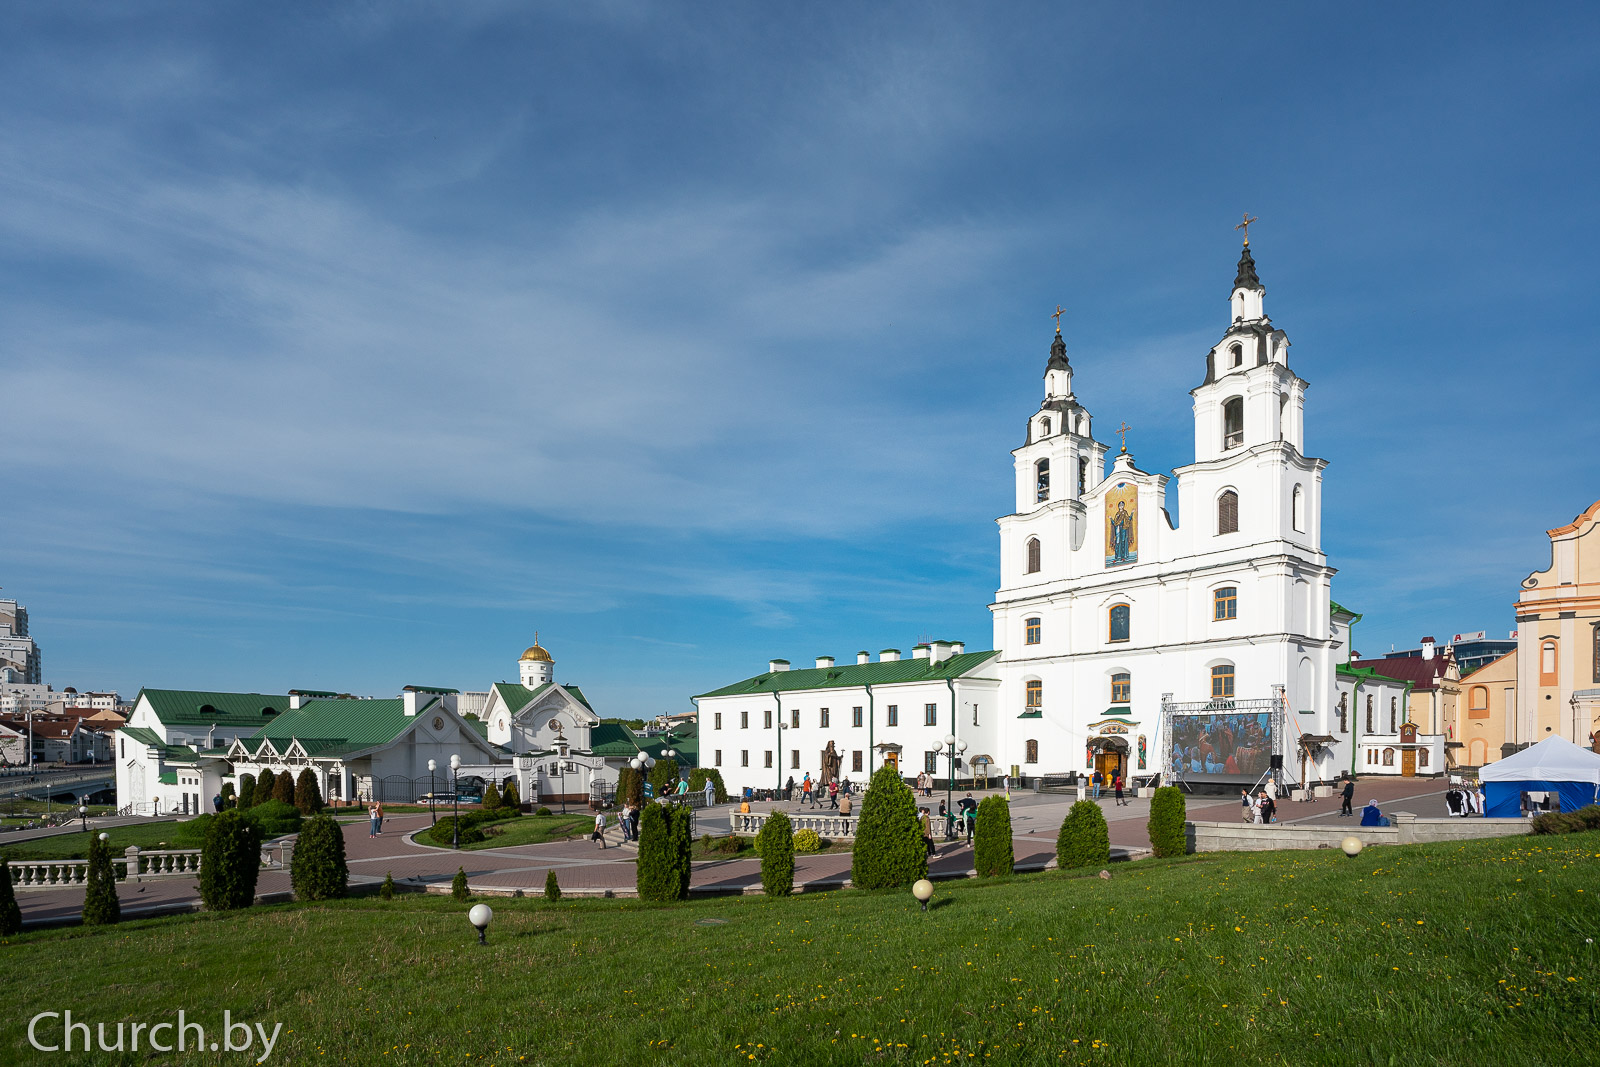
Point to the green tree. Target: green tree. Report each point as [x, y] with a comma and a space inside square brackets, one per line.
[663, 853]
[509, 797]
[458, 885]
[630, 787]
[992, 853]
[307, 794]
[10, 914]
[683, 847]
[230, 862]
[247, 790]
[1084, 840]
[318, 870]
[889, 851]
[100, 904]
[386, 890]
[552, 888]
[228, 795]
[491, 796]
[283, 788]
[1168, 813]
[663, 774]
[697, 783]
[775, 843]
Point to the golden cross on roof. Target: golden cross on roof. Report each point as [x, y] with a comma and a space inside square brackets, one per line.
[1123, 432]
[1060, 311]
[1245, 226]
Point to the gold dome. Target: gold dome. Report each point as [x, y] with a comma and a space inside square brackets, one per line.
[535, 654]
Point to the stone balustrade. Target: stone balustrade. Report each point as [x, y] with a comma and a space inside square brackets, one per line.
[831, 826]
[135, 865]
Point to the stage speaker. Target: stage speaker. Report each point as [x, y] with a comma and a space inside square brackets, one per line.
[1277, 763]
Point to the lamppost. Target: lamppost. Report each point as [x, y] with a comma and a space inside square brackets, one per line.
[641, 764]
[670, 753]
[432, 818]
[561, 767]
[954, 746]
[83, 815]
[455, 797]
[778, 784]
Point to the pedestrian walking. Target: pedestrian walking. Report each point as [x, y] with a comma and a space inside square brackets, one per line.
[833, 794]
[1116, 785]
[927, 831]
[805, 788]
[969, 813]
[711, 793]
[375, 814]
[599, 829]
[1346, 797]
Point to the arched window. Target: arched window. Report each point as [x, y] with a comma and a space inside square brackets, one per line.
[1119, 624]
[1478, 702]
[1547, 663]
[1388, 757]
[1298, 510]
[1033, 555]
[1422, 757]
[1236, 356]
[1032, 628]
[1044, 427]
[1369, 713]
[1344, 713]
[1225, 603]
[1041, 472]
[1394, 715]
[1083, 485]
[1035, 694]
[1232, 422]
[1228, 512]
[1031, 750]
[1222, 682]
[1121, 688]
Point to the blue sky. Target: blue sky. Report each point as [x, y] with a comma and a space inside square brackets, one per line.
[345, 348]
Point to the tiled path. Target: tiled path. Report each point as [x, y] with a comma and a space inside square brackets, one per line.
[583, 867]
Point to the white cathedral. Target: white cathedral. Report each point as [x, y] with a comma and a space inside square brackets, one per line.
[1201, 651]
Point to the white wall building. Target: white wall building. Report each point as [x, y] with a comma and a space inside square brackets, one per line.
[171, 756]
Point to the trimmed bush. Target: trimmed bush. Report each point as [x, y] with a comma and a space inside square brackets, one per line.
[247, 790]
[509, 797]
[443, 831]
[1084, 840]
[664, 844]
[228, 795]
[274, 818]
[663, 774]
[630, 787]
[807, 841]
[992, 853]
[889, 851]
[386, 890]
[491, 797]
[1168, 812]
[683, 846]
[100, 904]
[230, 861]
[283, 788]
[775, 843]
[543, 811]
[552, 888]
[697, 783]
[307, 794]
[458, 885]
[10, 914]
[318, 870]
[1589, 816]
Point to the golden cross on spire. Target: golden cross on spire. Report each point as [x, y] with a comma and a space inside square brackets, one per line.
[1245, 226]
[1060, 311]
[1123, 432]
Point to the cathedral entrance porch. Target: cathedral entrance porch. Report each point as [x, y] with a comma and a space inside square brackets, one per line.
[1108, 757]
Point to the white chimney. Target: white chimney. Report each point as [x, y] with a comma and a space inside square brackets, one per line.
[938, 651]
[776, 665]
[410, 699]
[1354, 656]
[959, 647]
[889, 655]
[1427, 648]
[863, 657]
[919, 652]
[824, 663]
[295, 700]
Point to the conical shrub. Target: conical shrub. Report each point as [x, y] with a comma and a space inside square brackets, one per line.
[307, 794]
[10, 914]
[1084, 840]
[552, 888]
[889, 851]
[318, 870]
[100, 904]
[230, 862]
[1168, 814]
[992, 852]
[775, 843]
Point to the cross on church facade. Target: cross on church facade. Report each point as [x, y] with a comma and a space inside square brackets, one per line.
[1245, 226]
[1122, 431]
[1060, 311]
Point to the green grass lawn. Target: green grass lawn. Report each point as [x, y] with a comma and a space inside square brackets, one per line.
[76, 846]
[1462, 954]
[527, 830]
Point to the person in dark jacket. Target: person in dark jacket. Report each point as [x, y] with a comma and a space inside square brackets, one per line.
[1348, 795]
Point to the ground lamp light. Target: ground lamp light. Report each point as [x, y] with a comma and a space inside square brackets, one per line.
[432, 818]
[923, 891]
[479, 917]
[455, 797]
[1352, 846]
[104, 836]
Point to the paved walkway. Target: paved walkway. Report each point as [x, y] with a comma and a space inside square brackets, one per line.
[584, 868]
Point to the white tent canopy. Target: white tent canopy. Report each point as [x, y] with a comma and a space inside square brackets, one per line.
[1555, 759]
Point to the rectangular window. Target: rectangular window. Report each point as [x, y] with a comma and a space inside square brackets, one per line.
[855, 716]
[719, 757]
[930, 715]
[1222, 682]
[1032, 631]
[717, 723]
[767, 718]
[1120, 624]
[1031, 752]
[822, 717]
[1225, 603]
[1035, 694]
[744, 757]
[930, 762]
[894, 715]
[794, 719]
[855, 760]
[794, 759]
[744, 720]
[769, 757]
[1121, 688]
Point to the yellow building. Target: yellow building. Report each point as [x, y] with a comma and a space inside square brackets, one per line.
[1558, 638]
[1485, 724]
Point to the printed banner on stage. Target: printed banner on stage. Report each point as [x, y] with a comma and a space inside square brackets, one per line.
[1122, 524]
[1222, 747]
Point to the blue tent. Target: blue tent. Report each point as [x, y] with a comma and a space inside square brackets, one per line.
[1554, 765]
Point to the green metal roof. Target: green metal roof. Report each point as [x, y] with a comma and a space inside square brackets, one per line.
[518, 696]
[335, 726]
[1031, 715]
[577, 694]
[856, 674]
[612, 739]
[1336, 608]
[187, 707]
[143, 735]
[169, 778]
[168, 753]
